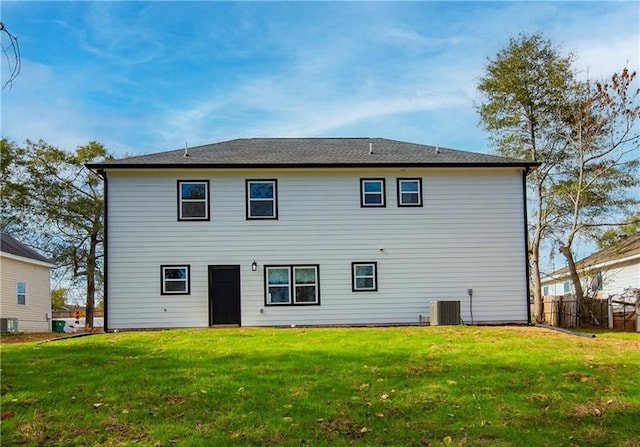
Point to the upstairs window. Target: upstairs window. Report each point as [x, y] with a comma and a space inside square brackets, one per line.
[193, 200]
[292, 285]
[566, 287]
[262, 199]
[175, 279]
[409, 192]
[372, 192]
[21, 292]
[364, 276]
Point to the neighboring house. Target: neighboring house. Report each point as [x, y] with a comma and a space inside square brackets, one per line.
[604, 273]
[25, 277]
[313, 231]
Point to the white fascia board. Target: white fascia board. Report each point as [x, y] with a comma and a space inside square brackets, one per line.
[27, 260]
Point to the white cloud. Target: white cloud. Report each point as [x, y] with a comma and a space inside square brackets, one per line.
[600, 59]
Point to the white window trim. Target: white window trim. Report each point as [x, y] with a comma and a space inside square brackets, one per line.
[18, 294]
[186, 280]
[314, 284]
[268, 301]
[273, 199]
[355, 277]
[418, 181]
[205, 200]
[364, 194]
[292, 285]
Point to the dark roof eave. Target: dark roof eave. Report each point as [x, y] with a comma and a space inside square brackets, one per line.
[107, 166]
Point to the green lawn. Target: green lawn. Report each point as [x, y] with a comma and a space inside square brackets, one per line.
[415, 386]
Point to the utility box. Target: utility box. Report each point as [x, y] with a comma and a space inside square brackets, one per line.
[445, 313]
[9, 325]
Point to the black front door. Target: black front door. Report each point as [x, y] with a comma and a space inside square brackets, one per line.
[224, 294]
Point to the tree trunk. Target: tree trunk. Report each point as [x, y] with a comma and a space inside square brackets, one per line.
[538, 305]
[534, 254]
[582, 304]
[91, 282]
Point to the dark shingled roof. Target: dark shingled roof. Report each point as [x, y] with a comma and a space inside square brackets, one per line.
[14, 247]
[312, 152]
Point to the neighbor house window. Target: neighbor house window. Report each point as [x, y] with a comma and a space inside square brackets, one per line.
[292, 285]
[262, 199]
[193, 200]
[545, 290]
[175, 279]
[21, 292]
[372, 192]
[598, 281]
[566, 287]
[364, 276]
[409, 192]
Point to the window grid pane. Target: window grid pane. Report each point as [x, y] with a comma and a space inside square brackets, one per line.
[193, 191]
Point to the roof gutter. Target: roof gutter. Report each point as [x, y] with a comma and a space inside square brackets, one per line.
[101, 167]
[25, 259]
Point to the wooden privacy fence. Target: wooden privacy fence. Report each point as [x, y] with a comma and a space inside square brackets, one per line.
[72, 313]
[562, 311]
[625, 316]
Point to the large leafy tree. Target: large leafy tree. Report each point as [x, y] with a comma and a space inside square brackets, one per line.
[594, 183]
[612, 236]
[49, 194]
[525, 88]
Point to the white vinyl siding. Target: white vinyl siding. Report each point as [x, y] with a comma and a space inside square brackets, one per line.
[616, 279]
[470, 236]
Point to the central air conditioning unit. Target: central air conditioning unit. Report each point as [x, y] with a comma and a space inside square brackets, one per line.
[445, 312]
[9, 325]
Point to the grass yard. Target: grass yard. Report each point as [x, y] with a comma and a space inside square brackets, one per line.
[410, 386]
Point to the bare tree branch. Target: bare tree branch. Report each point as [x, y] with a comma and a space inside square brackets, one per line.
[11, 52]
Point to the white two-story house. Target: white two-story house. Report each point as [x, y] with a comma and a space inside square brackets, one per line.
[313, 231]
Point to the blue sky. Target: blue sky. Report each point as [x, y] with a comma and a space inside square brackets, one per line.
[145, 77]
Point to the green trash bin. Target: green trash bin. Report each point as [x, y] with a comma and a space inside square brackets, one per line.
[57, 326]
